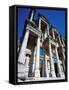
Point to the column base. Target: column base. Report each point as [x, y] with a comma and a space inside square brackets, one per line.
[47, 76]
[62, 75]
[26, 71]
[26, 74]
[21, 76]
[53, 74]
[37, 73]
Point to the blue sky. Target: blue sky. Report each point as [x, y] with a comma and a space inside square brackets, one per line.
[55, 17]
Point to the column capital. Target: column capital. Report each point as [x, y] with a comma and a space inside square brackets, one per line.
[27, 30]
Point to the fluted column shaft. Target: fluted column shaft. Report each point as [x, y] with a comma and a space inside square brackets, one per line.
[37, 71]
[62, 52]
[58, 63]
[46, 68]
[27, 66]
[21, 57]
[53, 34]
[52, 63]
[34, 58]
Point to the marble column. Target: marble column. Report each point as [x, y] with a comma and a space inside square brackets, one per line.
[53, 34]
[34, 58]
[63, 42]
[45, 34]
[59, 40]
[21, 71]
[63, 58]
[27, 66]
[62, 53]
[52, 63]
[37, 71]
[43, 66]
[63, 49]
[21, 57]
[40, 24]
[58, 62]
[32, 14]
[46, 68]
[48, 28]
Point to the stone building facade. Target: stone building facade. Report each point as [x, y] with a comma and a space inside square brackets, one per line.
[42, 51]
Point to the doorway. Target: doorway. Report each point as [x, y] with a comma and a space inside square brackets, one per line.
[56, 69]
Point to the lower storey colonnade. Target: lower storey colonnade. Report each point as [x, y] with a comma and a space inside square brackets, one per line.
[35, 66]
[44, 68]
